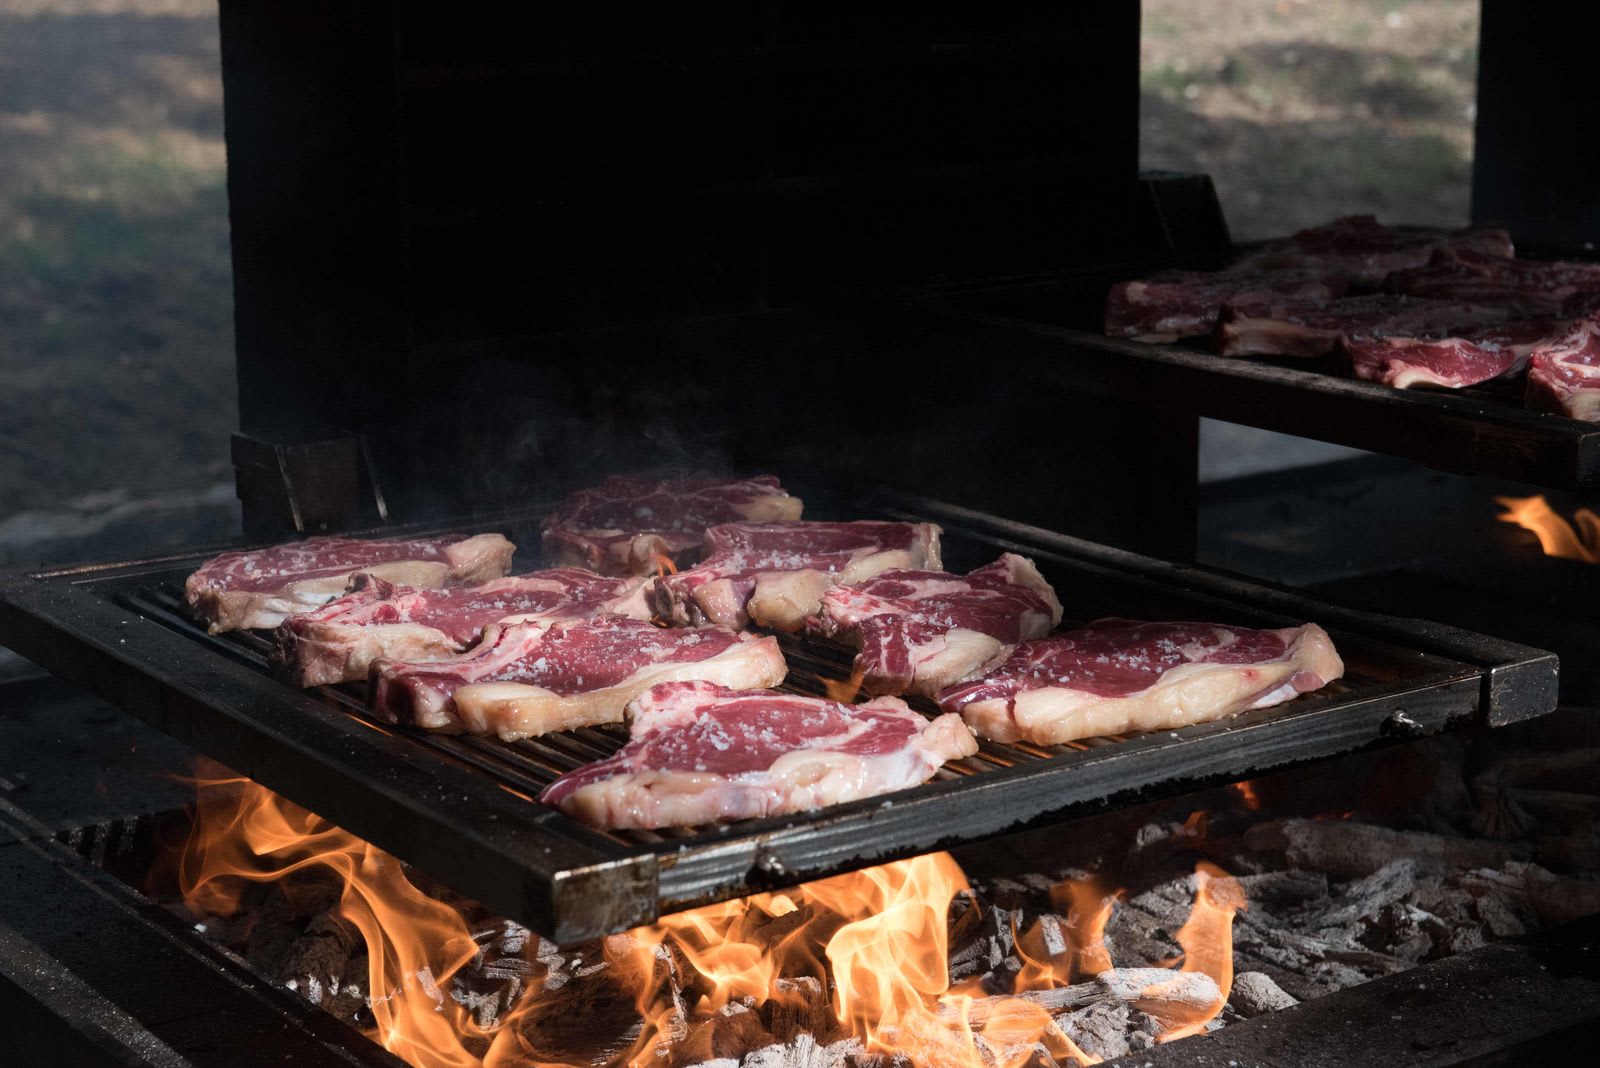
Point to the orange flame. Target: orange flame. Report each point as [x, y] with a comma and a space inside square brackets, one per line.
[878, 940]
[1207, 941]
[664, 564]
[845, 691]
[1247, 793]
[1556, 536]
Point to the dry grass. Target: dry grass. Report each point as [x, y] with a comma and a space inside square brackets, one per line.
[1302, 110]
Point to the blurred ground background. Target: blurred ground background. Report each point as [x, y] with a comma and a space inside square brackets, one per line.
[116, 384]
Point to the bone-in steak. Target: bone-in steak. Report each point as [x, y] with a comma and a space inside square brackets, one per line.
[339, 641]
[1312, 328]
[1118, 675]
[627, 526]
[1175, 304]
[700, 753]
[920, 631]
[1464, 358]
[263, 587]
[1565, 377]
[1362, 250]
[1526, 287]
[776, 573]
[524, 679]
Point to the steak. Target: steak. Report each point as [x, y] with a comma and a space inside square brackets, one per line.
[1313, 328]
[1525, 287]
[524, 679]
[1178, 304]
[339, 641]
[263, 587]
[776, 573]
[1565, 377]
[920, 631]
[629, 526]
[1360, 249]
[1462, 359]
[699, 753]
[1118, 675]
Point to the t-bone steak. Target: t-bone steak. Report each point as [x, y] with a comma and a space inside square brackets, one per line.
[1364, 251]
[1176, 304]
[263, 587]
[630, 526]
[1312, 328]
[920, 631]
[524, 679]
[776, 573]
[1464, 358]
[1118, 675]
[699, 753]
[339, 641]
[1565, 377]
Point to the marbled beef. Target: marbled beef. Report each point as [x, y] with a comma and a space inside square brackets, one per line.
[700, 753]
[1565, 377]
[920, 631]
[339, 641]
[629, 526]
[1526, 287]
[1463, 358]
[1119, 675]
[776, 573]
[1365, 252]
[524, 679]
[263, 587]
[1313, 328]
[1175, 304]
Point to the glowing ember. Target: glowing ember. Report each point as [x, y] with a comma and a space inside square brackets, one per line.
[870, 948]
[1247, 793]
[844, 690]
[1556, 536]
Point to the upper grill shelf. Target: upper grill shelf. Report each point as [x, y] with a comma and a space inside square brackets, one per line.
[1053, 323]
[461, 808]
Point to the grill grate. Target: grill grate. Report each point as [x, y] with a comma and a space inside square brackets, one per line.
[461, 808]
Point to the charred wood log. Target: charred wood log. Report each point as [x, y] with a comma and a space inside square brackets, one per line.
[1352, 850]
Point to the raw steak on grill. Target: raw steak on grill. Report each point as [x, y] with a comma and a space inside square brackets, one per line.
[1118, 675]
[1525, 287]
[1178, 304]
[920, 631]
[1362, 250]
[1565, 377]
[263, 587]
[699, 753]
[628, 526]
[1313, 328]
[339, 641]
[776, 573]
[1464, 358]
[524, 679]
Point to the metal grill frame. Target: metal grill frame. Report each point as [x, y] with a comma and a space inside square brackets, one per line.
[1038, 325]
[459, 808]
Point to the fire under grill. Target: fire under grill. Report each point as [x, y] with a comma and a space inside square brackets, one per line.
[461, 808]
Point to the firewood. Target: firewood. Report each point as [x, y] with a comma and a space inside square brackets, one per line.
[1553, 898]
[1145, 988]
[1348, 849]
[315, 964]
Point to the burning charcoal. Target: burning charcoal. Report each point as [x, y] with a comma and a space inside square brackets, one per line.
[1280, 888]
[804, 1052]
[1498, 917]
[1553, 898]
[1368, 896]
[1254, 993]
[1101, 1030]
[1342, 848]
[315, 963]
